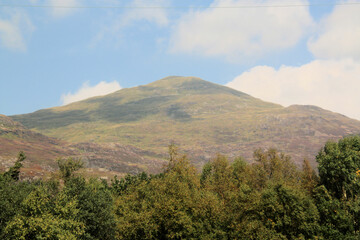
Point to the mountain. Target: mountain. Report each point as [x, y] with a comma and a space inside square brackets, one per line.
[102, 160]
[41, 150]
[202, 118]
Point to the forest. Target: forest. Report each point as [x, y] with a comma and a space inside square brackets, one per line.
[269, 198]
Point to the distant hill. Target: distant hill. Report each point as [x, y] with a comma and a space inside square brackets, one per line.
[202, 118]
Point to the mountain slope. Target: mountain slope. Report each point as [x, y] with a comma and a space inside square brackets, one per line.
[201, 117]
[42, 152]
[169, 97]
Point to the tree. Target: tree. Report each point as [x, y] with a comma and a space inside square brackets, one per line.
[339, 165]
[218, 176]
[171, 207]
[120, 186]
[12, 192]
[338, 219]
[289, 212]
[241, 170]
[44, 216]
[68, 166]
[272, 166]
[14, 171]
[95, 205]
[11, 195]
[338, 198]
[309, 179]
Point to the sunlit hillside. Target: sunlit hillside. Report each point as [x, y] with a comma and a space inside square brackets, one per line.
[202, 118]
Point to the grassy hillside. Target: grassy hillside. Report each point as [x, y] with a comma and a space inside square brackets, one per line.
[201, 117]
[176, 98]
[102, 160]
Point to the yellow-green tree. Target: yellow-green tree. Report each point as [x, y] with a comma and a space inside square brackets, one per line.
[169, 207]
[44, 216]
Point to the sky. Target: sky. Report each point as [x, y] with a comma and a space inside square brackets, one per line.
[55, 52]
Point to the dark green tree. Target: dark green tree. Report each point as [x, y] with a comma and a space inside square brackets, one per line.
[339, 167]
[338, 219]
[120, 186]
[11, 196]
[95, 205]
[14, 171]
[289, 212]
[12, 192]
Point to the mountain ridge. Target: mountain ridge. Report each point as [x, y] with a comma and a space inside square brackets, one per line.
[153, 93]
[201, 117]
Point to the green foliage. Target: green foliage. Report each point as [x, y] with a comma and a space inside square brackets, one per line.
[338, 198]
[95, 205]
[218, 177]
[68, 166]
[289, 212]
[171, 207]
[276, 165]
[179, 166]
[44, 216]
[206, 173]
[338, 166]
[309, 179]
[338, 220]
[14, 171]
[119, 187]
[272, 167]
[240, 170]
[12, 192]
[11, 196]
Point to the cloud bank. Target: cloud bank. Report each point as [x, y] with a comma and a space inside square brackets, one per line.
[241, 32]
[87, 91]
[330, 84]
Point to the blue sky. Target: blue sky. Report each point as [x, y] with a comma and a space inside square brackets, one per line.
[285, 51]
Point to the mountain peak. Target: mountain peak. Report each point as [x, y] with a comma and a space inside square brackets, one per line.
[190, 85]
[176, 81]
[172, 97]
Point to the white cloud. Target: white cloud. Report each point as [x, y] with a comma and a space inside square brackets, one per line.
[241, 32]
[339, 34]
[87, 91]
[331, 84]
[12, 30]
[62, 8]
